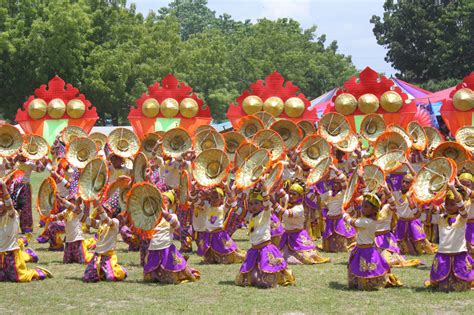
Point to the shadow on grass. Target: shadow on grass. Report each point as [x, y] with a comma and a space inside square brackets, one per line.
[227, 282]
[339, 286]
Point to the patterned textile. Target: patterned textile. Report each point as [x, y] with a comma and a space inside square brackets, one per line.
[13, 268]
[20, 192]
[185, 217]
[76, 252]
[298, 248]
[446, 267]
[54, 233]
[104, 267]
[218, 248]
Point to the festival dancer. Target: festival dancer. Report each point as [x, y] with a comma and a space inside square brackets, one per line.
[465, 181]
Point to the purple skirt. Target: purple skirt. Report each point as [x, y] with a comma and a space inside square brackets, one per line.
[459, 264]
[169, 259]
[470, 232]
[267, 259]
[387, 241]
[297, 241]
[412, 229]
[338, 226]
[220, 242]
[367, 262]
[276, 229]
[102, 267]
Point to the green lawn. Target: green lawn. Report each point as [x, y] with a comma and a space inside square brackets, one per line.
[319, 289]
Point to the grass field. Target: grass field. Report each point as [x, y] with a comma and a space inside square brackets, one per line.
[319, 289]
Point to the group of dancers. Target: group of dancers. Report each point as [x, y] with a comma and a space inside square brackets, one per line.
[283, 211]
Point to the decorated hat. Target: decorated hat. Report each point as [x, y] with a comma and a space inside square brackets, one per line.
[348, 145]
[252, 169]
[122, 186]
[208, 139]
[176, 141]
[313, 149]
[372, 126]
[72, 132]
[266, 118]
[351, 190]
[389, 141]
[274, 175]
[204, 128]
[140, 165]
[373, 176]
[465, 137]
[99, 138]
[210, 167]
[93, 179]
[434, 137]
[306, 127]
[149, 143]
[249, 125]
[390, 161]
[123, 142]
[270, 140]
[232, 140]
[402, 132]
[334, 128]
[288, 131]
[466, 167]
[319, 171]
[81, 151]
[244, 151]
[184, 187]
[34, 147]
[417, 135]
[451, 150]
[10, 140]
[144, 207]
[431, 181]
[46, 201]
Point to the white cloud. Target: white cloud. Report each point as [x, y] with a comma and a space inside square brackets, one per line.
[297, 9]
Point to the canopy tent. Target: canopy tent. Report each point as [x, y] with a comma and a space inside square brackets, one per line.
[435, 100]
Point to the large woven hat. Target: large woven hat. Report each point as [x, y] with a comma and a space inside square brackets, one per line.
[417, 135]
[46, 201]
[140, 165]
[391, 161]
[348, 145]
[314, 148]
[306, 127]
[270, 140]
[288, 131]
[123, 142]
[202, 128]
[266, 118]
[93, 180]
[372, 126]
[144, 206]
[176, 141]
[149, 143]
[274, 175]
[466, 167]
[389, 141]
[249, 125]
[122, 185]
[99, 138]
[351, 190]
[72, 132]
[431, 181]
[183, 189]
[465, 136]
[210, 167]
[451, 150]
[34, 147]
[208, 139]
[233, 140]
[319, 171]
[81, 151]
[373, 176]
[10, 140]
[252, 169]
[334, 127]
[402, 132]
[244, 151]
[434, 137]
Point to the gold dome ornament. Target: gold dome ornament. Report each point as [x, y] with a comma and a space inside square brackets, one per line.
[274, 106]
[56, 108]
[93, 180]
[80, 152]
[314, 148]
[188, 107]
[149, 143]
[99, 138]
[319, 171]
[140, 165]
[368, 103]
[463, 99]
[210, 167]
[266, 118]
[34, 147]
[288, 131]
[249, 125]
[75, 108]
[169, 107]
[270, 140]
[46, 199]
[334, 128]
[345, 104]
[294, 107]
[372, 126]
[123, 142]
[391, 101]
[465, 136]
[417, 135]
[252, 104]
[150, 108]
[176, 141]
[210, 139]
[243, 151]
[431, 181]
[72, 132]
[251, 171]
[144, 206]
[10, 140]
[37, 108]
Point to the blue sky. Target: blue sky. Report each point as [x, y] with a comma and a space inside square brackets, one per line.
[346, 21]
